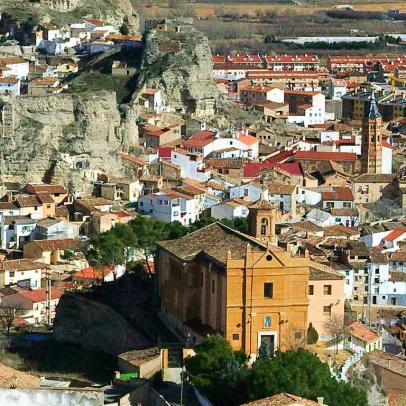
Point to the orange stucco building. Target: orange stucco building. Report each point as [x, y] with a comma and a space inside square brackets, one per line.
[326, 297]
[217, 279]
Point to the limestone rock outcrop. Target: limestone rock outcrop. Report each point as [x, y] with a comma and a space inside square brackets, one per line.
[63, 137]
[179, 62]
[95, 326]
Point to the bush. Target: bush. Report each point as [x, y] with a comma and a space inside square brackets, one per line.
[312, 335]
[124, 30]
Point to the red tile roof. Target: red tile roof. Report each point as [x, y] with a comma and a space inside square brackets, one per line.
[393, 235]
[244, 58]
[341, 193]
[325, 156]
[363, 333]
[95, 21]
[39, 295]
[292, 168]
[199, 140]
[253, 169]
[246, 139]
[164, 152]
[291, 58]
[92, 273]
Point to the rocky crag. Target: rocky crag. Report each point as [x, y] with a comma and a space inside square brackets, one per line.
[63, 137]
[179, 62]
[95, 326]
[68, 11]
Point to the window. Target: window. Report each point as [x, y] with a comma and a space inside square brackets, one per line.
[11, 274]
[141, 204]
[268, 290]
[267, 321]
[327, 310]
[347, 205]
[212, 286]
[298, 335]
[311, 289]
[327, 289]
[236, 337]
[393, 301]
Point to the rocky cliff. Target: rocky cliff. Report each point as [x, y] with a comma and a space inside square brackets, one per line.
[68, 11]
[95, 326]
[63, 137]
[179, 62]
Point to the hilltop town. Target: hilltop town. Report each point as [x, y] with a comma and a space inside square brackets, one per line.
[183, 226]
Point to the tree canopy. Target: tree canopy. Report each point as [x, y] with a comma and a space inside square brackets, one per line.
[223, 375]
[143, 233]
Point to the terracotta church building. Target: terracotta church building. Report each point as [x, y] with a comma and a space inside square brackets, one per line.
[218, 280]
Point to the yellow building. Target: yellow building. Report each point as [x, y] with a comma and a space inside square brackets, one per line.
[219, 280]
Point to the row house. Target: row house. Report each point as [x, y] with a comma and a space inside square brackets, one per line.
[292, 80]
[292, 62]
[349, 63]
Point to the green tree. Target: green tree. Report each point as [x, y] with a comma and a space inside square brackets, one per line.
[225, 378]
[218, 371]
[312, 335]
[124, 29]
[148, 232]
[301, 373]
[110, 246]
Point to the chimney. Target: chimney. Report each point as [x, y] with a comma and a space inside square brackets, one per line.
[320, 400]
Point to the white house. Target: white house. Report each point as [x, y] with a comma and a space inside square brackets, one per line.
[309, 196]
[336, 89]
[191, 166]
[306, 108]
[14, 66]
[8, 209]
[391, 241]
[326, 136]
[169, 205]
[24, 273]
[10, 85]
[16, 230]
[346, 217]
[230, 209]
[339, 198]
[320, 218]
[208, 142]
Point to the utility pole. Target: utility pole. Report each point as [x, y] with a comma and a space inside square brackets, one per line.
[48, 295]
[369, 294]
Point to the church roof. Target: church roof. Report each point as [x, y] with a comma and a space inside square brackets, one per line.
[262, 204]
[373, 108]
[215, 240]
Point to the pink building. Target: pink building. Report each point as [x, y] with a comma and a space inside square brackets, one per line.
[326, 297]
